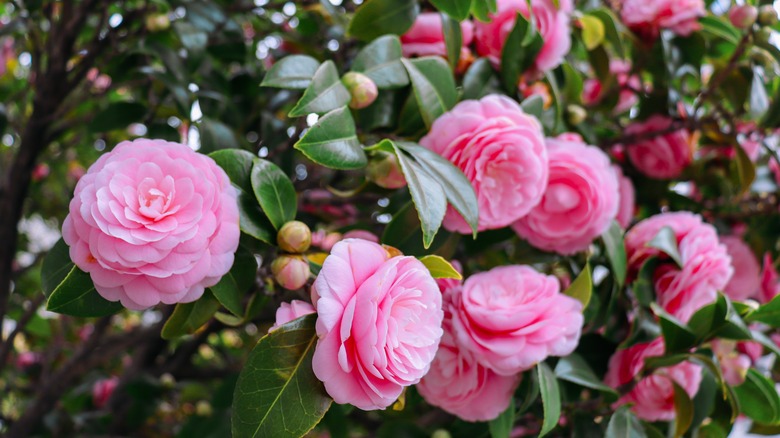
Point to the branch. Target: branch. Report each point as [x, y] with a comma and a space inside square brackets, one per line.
[5, 346]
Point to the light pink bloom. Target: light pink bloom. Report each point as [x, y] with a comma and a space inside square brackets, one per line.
[512, 317]
[706, 265]
[290, 311]
[751, 349]
[425, 37]
[325, 240]
[627, 202]
[592, 90]
[648, 17]
[153, 221]
[653, 396]
[361, 234]
[102, 391]
[379, 323]
[746, 281]
[501, 151]
[770, 280]
[553, 24]
[580, 201]
[733, 364]
[662, 156]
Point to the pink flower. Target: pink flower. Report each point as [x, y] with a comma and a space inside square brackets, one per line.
[706, 265]
[770, 280]
[153, 221]
[325, 240]
[580, 201]
[733, 364]
[592, 91]
[361, 234]
[662, 156]
[425, 38]
[746, 280]
[653, 396]
[102, 391]
[501, 151]
[512, 317]
[553, 24]
[379, 323]
[458, 384]
[28, 359]
[627, 199]
[290, 311]
[648, 17]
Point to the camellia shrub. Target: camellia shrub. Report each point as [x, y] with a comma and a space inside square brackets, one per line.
[391, 218]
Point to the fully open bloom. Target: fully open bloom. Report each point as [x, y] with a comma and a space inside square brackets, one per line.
[501, 151]
[648, 17]
[553, 23]
[512, 317]
[153, 221]
[653, 396]
[627, 203]
[426, 37]
[706, 265]
[290, 311]
[746, 280]
[379, 323]
[593, 91]
[662, 156]
[580, 201]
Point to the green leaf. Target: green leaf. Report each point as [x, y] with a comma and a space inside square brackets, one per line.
[582, 287]
[758, 398]
[616, 252]
[325, 93]
[453, 39]
[479, 80]
[746, 170]
[610, 21]
[457, 9]
[592, 31]
[624, 424]
[216, 135]
[683, 410]
[482, 8]
[233, 286]
[117, 115]
[252, 220]
[56, 267]
[434, 86]
[237, 164]
[513, 53]
[677, 336]
[277, 393]
[533, 105]
[274, 191]
[718, 27]
[551, 398]
[501, 426]
[768, 313]
[333, 142]
[375, 18]
[187, 318]
[192, 38]
[440, 268]
[292, 72]
[75, 295]
[666, 241]
[573, 84]
[708, 318]
[380, 60]
[758, 99]
[573, 368]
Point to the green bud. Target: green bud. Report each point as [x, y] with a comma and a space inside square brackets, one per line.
[576, 114]
[294, 237]
[767, 15]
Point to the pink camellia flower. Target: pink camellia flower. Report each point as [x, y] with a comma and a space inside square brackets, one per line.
[553, 24]
[290, 311]
[501, 151]
[663, 156]
[512, 317]
[361, 234]
[733, 364]
[580, 201]
[153, 221]
[653, 396]
[379, 323]
[28, 359]
[426, 38]
[102, 391]
[648, 17]
[746, 281]
[770, 280]
[627, 202]
[592, 90]
[706, 265]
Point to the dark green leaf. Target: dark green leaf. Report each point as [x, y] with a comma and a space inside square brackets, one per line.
[718, 27]
[582, 287]
[216, 135]
[332, 142]
[453, 39]
[573, 368]
[233, 286]
[457, 9]
[610, 21]
[551, 398]
[375, 18]
[324, 94]
[573, 84]
[75, 295]
[666, 241]
[237, 164]
[381, 61]
[501, 426]
[677, 336]
[252, 220]
[274, 191]
[192, 38]
[768, 313]
[187, 318]
[118, 115]
[758, 398]
[624, 424]
[482, 8]
[513, 54]
[480, 80]
[434, 86]
[56, 267]
[683, 410]
[616, 251]
[746, 170]
[293, 71]
[533, 105]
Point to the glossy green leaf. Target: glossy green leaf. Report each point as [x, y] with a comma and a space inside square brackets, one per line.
[117, 115]
[683, 410]
[612, 34]
[324, 94]
[624, 424]
[551, 398]
[380, 60]
[216, 135]
[234, 285]
[293, 72]
[440, 268]
[573, 84]
[768, 313]
[573, 368]
[274, 191]
[501, 426]
[758, 398]
[746, 169]
[332, 142]
[513, 54]
[434, 86]
[593, 31]
[277, 393]
[453, 39]
[677, 336]
[252, 219]
[718, 27]
[457, 9]
[237, 164]
[375, 18]
[666, 241]
[75, 295]
[616, 251]
[187, 318]
[533, 105]
[482, 9]
[582, 287]
[480, 80]
[56, 267]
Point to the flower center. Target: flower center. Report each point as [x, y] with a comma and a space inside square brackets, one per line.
[152, 200]
[560, 198]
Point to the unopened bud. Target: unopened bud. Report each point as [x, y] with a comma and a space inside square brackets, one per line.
[290, 271]
[204, 409]
[384, 171]
[441, 433]
[294, 237]
[158, 22]
[743, 16]
[362, 89]
[767, 15]
[763, 36]
[167, 381]
[576, 114]
[762, 57]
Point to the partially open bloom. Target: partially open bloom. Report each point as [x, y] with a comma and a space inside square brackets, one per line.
[662, 156]
[648, 17]
[746, 280]
[379, 323]
[102, 391]
[153, 221]
[501, 151]
[290, 311]
[290, 271]
[426, 38]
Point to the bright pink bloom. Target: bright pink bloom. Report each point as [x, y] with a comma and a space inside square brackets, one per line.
[592, 89]
[706, 265]
[379, 323]
[513, 317]
[425, 38]
[553, 23]
[627, 202]
[653, 396]
[290, 311]
[153, 221]
[501, 151]
[662, 156]
[648, 17]
[580, 201]
[746, 281]
[751, 349]
[770, 280]
[102, 391]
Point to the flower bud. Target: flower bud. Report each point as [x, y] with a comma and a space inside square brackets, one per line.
[743, 16]
[156, 23]
[362, 89]
[763, 35]
[290, 271]
[384, 171]
[167, 381]
[204, 409]
[441, 433]
[576, 114]
[767, 15]
[294, 237]
[40, 172]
